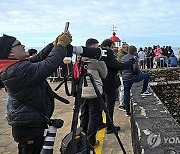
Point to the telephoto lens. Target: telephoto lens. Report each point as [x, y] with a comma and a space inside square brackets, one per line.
[49, 140]
[50, 135]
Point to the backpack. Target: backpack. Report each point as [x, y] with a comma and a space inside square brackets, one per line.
[81, 145]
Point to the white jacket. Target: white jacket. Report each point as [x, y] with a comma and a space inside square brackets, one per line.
[141, 55]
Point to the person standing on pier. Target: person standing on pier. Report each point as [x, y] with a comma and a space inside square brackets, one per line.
[112, 82]
[90, 106]
[122, 52]
[29, 92]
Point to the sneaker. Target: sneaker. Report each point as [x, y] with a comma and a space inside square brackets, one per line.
[122, 108]
[103, 125]
[128, 114]
[110, 131]
[146, 93]
[96, 144]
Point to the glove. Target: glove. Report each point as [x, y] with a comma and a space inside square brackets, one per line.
[56, 40]
[64, 39]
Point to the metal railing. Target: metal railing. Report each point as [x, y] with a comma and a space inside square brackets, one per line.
[59, 73]
[149, 63]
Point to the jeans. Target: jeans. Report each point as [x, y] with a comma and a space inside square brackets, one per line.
[89, 118]
[128, 85]
[110, 102]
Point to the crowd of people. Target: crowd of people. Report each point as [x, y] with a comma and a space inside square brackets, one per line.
[156, 56]
[30, 98]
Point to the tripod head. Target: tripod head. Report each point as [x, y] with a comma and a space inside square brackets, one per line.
[84, 65]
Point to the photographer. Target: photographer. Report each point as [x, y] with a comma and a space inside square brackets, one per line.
[112, 81]
[90, 106]
[29, 92]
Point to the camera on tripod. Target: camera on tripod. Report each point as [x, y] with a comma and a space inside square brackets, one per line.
[72, 143]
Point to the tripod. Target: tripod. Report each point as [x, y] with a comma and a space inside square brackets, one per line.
[82, 79]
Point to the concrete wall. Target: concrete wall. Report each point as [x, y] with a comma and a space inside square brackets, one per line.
[164, 74]
[169, 94]
[154, 130]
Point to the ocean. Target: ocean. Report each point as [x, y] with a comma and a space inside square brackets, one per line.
[175, 49]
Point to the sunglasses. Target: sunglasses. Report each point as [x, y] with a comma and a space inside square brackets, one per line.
[18, 44]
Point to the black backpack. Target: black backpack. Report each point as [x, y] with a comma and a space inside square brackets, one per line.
[82, 145]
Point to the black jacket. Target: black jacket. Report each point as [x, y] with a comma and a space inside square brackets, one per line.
[27, 87]
[112, 80]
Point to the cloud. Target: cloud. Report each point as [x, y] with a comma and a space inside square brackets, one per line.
[134, 19]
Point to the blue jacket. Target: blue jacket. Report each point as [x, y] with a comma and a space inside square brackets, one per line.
[129, 73]
[173, 61]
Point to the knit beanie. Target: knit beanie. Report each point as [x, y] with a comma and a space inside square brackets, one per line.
[6, 45]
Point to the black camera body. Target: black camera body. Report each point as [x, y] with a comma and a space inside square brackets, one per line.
[58, 123]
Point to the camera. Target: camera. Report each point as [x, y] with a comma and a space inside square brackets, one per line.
[58, 123]
[50, 135]
[101, 54]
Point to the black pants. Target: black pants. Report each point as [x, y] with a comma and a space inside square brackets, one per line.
[100, 113]
[90, 110]
[110, 102]
[33, 146]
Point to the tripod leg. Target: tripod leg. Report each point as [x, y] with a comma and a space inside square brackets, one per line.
[106, 112]
[76, 112]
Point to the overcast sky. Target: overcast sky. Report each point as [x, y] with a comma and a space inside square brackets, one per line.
[138, 22]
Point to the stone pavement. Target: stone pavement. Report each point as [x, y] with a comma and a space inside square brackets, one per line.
[110, 144]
